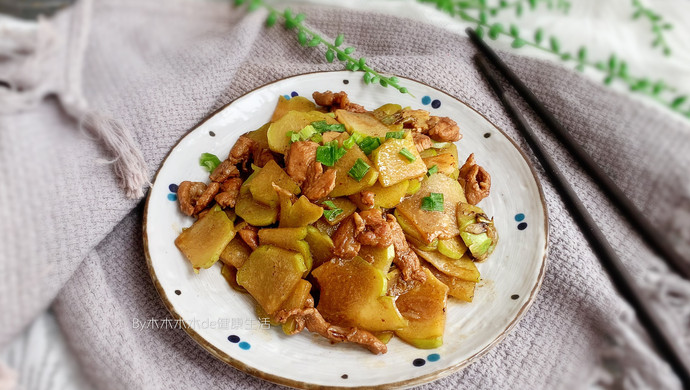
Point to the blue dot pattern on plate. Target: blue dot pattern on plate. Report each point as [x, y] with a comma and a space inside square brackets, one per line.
[293, 94]
[426, 100]
[234, 338]
[244, 345]
[172, 197]
[434, 357]
[520, 217]
[287, 97]
[173, 187]
[436, 103]
[418, 362]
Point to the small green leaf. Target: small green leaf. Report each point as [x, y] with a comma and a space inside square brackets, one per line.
[538, 36]
[375, 79]
[393, 79]
[383, 82]
[354, 67]
[495, 30]
[623, 69]
[582, 54]
[349, 50]
[613, 62]
[503, 4]
[254, 5]
[341, 56]
[482, 17]
[271, 19]
[555, 45]
[480, 32]
[658, 87]
[608, 80]
[518, 43]
[677, 102]
[403, 90]
[600, 65]
[302, 37]
[566, 56]
[466, 17]
[339, 40]
[330, 55]
[239, 2]
[493, 12]
[514, 31]
[362, 62]
[637, 14]
[299, 18]
[667, 51]
[314, 42]
[367, 78]
[533, 4]
[518, 10]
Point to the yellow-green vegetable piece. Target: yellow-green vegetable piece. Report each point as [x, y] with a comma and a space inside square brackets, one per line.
[353, 294]
[320, 244]
[452, 247]
[342, 203]
[260, 136]
[434, 224]
[445, 163]
[203, 242]
[385, 336]
[363, 123]
[462, 268]
[384, 197]
[230, 275]
[380, 257]
[346, 184]
[270, 275]
[477, 231]
[296, 300]
[301, 213]
[414, 186]
[236, 252]
[288, 238]
[393, 167]
[253, 212]
[424, 307]
[426, 153]
[297, 103]
[457, 288]
[261, 186]
[278, 138]
[413, 235]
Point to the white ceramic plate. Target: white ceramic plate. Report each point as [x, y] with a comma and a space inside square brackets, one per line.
[224, 321]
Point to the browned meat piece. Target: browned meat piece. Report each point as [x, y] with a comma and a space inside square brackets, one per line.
[195, 196]
[405, 258]
[263, 156]
[475, 180]
[345, 243]
[300, 156]
[318, 183]
[241, 151]
[206, 197]
[224, 171]
[367, 198]
[335, 101]
[443, 129]
[249, 234]
[414, 119]
[421, 141]
[310, 318]
[376, 231]
[230, 190]
[187, 194]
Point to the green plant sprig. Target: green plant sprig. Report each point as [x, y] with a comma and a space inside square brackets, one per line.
[310, 38]
[453, 6]
[659, 26]
[613, 69]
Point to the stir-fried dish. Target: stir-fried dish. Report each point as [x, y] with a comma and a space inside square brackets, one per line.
[356, 225]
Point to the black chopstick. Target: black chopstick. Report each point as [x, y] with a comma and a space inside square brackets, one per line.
[655, 240]
[622, 280]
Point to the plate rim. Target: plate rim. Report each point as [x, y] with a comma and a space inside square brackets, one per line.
[426, 378]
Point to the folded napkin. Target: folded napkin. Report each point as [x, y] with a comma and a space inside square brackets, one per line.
[72, 239]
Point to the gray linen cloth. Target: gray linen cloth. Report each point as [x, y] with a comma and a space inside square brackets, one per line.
[69, 237]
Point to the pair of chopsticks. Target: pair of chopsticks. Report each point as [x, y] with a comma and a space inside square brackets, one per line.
[667, 345]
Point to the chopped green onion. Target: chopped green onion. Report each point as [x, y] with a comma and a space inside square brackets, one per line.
[355, 138]
[307, 132]
[294, 137]
[395, 134]
[322, 127]
[369, 144]
[433, 202]
[407, 154]
[317, 138]
[432, 170]
[209, 161]
[333, 212]
[329, 153]
[359, 169]
[331, 114]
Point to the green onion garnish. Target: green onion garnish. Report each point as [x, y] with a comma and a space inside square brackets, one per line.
[294, 137]
[432, 170]
[355, 138]
[333, 212]
[317, 138]
[329, 153]
[307, 132]
[358, 170]
[433, 202]
[369, 144]
[395, 134]
[407, 154]
[322, 127]
[209, 161]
